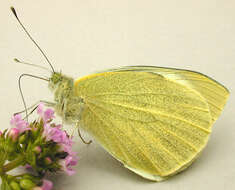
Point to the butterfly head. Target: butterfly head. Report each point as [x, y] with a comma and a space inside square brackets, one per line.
[61, 85]
[58, 80]
[55, 80]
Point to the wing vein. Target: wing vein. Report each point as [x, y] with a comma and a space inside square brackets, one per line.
[182, 140]
[151, 112]
[147, 157]
[122, 94]
[162, 147]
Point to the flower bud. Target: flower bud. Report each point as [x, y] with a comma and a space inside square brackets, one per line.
[0, 133]
[26, 184]
[22, 139]
[14, 185]
[14, 133]
[48, 160]
[37, 149]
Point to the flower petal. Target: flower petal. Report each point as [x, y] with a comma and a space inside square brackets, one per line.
[14, 133]
[48, 114]
[40, 109]
[19, 123]
[66, 163]
[47, 185]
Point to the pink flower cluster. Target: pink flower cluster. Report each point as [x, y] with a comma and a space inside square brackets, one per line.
[19, 126]
[59, 136]
[51, 132]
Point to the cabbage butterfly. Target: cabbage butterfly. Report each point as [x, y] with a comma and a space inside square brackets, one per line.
[154, 120]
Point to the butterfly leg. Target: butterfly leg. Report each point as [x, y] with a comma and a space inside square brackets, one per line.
[83, 140]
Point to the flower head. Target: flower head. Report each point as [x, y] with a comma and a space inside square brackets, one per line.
[47, 185]
[19, 123]
[45, 115]
[67, 163]
[52, 133]
[14, 133]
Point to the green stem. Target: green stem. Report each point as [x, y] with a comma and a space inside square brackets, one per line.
[11, 165]
[1, 171]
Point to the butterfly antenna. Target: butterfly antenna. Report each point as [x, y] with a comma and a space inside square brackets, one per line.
[34, 65]
[14, 12]
[21, 92]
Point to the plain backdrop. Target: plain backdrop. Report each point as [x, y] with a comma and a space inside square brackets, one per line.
[84, 36]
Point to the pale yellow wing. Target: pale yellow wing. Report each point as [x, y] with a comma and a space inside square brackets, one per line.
[153, 125]
[215, 93]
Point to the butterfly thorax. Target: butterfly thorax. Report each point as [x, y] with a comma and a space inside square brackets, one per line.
[68, 105]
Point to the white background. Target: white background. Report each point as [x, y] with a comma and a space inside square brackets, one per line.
[83, 36]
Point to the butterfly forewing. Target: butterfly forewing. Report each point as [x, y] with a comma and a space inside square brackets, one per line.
[215, 93]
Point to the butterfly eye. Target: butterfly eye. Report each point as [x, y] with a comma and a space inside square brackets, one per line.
[56, 78]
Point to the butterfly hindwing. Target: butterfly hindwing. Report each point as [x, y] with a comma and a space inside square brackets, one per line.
[153, 125]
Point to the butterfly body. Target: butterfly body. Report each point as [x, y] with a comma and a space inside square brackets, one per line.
[155, 121]
[67, 104]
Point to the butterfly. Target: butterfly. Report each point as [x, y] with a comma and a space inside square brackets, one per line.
[154, 120]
